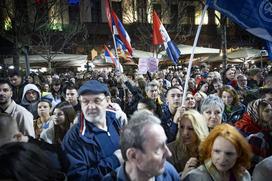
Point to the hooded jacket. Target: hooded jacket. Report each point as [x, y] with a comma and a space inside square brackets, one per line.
[31, 106]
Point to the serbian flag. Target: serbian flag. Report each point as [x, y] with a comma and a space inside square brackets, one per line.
[110, 58]
[119, 30]
[122, 50]
[160, 36]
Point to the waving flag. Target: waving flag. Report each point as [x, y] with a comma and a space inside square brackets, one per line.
[119, 30]
[122, 50]
[160, 36]
[110, 58]
[255, 16]
[120, 35]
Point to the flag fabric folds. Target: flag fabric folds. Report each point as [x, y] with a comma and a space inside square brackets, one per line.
[122, 51]
[110, 58]
[157, 38]
[160, 36]
[255, 16]
[119, 30]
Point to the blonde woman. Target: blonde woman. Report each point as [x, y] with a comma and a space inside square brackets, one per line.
[193, 130]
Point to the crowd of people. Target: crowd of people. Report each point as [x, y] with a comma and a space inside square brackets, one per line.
[126, 126]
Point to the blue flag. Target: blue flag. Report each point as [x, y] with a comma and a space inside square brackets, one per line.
[255, 16]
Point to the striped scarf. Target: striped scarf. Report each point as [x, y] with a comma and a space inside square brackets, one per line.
[253, 111]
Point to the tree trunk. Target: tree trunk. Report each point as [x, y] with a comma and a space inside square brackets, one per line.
[49, 66]
[16, 57]
[224, 41]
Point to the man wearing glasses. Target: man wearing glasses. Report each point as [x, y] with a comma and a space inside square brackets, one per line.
[92, 144]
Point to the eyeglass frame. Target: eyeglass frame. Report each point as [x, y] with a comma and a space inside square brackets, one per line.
[96, 101]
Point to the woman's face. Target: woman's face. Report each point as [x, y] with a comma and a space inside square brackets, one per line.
[190, 101]
[56, 87]
[175, 82]
[46, 87]
[191, 84]
[227, 98]
[59, 117]
[43, 109]
[187, 132]
[266, 114]
[213, 116]
[230, 74]
[204, 87]
[30, 79]
[223, 154]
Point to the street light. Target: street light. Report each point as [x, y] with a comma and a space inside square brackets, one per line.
[11, 67]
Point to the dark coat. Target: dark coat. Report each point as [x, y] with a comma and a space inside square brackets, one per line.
[90, 149]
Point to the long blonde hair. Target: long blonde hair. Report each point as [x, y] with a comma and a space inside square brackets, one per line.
[199, 125]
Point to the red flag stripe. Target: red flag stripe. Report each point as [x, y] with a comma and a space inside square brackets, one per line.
[157, 37]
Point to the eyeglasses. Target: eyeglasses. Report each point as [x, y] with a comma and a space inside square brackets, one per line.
[97, 101]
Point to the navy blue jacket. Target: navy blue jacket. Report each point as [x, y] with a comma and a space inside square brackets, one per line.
[90, 149]
[169, 174]
[168, 125]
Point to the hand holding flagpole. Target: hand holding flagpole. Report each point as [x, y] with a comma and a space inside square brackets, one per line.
[192, 55]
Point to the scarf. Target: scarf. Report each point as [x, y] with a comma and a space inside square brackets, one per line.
[213, 172]
[253, 111]
[247, 125]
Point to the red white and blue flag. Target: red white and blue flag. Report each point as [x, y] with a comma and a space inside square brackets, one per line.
[117, 28]
[110, 58]
[122, 51]
[160, 36]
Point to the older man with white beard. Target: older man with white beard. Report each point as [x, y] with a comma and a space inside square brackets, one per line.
[92, 144]
[173, 101]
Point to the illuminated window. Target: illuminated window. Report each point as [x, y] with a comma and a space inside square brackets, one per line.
[198, 15]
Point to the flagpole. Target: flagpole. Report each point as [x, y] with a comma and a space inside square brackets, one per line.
[109, 12]
[115, 49]
[192, 54]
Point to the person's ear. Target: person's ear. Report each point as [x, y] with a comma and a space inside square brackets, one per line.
[131, 154]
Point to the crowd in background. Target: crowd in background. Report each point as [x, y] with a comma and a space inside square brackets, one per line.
[223, 130]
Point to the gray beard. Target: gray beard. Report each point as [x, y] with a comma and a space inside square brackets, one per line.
[94, 120]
